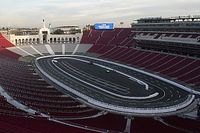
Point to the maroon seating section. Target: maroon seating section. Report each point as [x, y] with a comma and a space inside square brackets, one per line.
[6, 53]
[16, 124]
[170, 65]
[144, 125]
[118, 36]
[183, 123]
[181, 68]
[4, 42]
[26, 87]
[18, 80]
[8, 109]
[108, 121]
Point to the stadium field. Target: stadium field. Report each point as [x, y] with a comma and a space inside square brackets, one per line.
[114, 87]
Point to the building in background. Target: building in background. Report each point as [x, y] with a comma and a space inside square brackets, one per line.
[66, 30]
[180, 24]
[45, 35]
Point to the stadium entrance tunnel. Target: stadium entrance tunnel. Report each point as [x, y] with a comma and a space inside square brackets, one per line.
[112, 86]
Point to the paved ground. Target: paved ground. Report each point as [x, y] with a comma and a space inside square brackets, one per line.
[112, 84]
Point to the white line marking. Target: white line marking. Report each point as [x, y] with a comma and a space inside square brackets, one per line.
[25, 51]
[63, 49]
[111, 93]
[36, 50]
[49, 49]
[76, 48]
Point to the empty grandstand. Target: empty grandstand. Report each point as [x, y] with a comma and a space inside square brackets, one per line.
[113, 80]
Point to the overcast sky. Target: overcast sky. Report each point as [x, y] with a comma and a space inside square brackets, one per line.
[30, 13]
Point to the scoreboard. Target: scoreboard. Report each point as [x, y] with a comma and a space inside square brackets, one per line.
[104, 26]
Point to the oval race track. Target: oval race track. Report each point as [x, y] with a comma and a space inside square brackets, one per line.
[113, 87]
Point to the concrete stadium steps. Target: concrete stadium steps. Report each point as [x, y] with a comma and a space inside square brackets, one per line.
[33, 50]
[69, 48]
[8, 54]
[29, 49]
[19, 51]
[41, 48]
[57, 48]
[83, 48]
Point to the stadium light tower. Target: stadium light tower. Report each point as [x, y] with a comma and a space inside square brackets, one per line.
[121, 24]
[49, 25]
[44, 26]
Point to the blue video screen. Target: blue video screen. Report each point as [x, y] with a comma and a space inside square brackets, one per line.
[104, 26]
